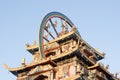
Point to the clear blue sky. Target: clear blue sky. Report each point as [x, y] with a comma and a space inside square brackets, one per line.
[98, 22]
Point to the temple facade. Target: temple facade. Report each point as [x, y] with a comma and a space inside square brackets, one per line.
[61, 54]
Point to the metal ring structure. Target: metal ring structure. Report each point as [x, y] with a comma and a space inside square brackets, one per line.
[46, 19]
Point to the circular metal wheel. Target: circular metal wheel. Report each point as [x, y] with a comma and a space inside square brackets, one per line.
[53, 26]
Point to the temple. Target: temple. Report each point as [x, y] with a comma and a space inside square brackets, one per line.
[61, 54]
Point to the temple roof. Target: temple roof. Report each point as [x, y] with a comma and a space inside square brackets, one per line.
[100, 67]
[34, 47]
[15, 71]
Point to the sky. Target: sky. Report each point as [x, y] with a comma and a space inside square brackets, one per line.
[98, 22]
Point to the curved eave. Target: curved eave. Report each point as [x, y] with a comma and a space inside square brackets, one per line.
[83, 54]
[98, 54]
[75, 50]
[100, 68]
[17, 70]
[64, 54]
[12, 70]
[70, 52]
[31, 49]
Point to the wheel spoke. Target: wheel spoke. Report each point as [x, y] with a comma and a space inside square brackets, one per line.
[53, 27]
[46, 39]
[49, 33]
